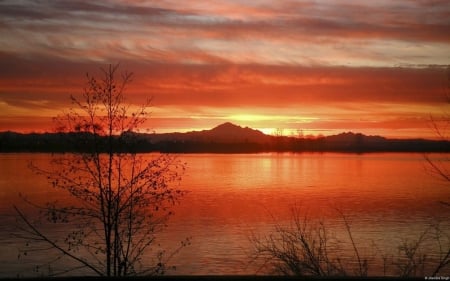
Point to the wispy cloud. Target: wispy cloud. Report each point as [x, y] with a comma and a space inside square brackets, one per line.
[216, 60]
[322, 30]
[229, 85]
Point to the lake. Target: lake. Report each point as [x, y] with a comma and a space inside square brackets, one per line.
[387, 198]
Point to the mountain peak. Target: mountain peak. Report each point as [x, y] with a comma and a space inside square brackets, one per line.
[230, 132]
[226, 127]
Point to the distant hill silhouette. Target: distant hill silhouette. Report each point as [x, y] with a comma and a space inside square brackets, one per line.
[224, 133]
[228, 132]
[225, 138]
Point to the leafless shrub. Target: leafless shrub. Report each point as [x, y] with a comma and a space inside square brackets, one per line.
[309, 248]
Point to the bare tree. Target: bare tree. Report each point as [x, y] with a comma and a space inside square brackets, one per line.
[440, 168]
[119, 199]
[441, 126]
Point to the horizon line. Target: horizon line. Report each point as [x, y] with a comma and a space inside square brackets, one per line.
[308, 136]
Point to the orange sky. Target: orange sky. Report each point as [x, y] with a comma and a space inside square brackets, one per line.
[322, 67]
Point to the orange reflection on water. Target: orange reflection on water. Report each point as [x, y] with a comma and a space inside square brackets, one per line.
[385, 196]
[250, 186]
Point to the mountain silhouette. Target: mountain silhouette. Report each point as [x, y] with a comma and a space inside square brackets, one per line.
[223, 133]
[228, 132]
[224, 138]
[228, 127]
[350, 137]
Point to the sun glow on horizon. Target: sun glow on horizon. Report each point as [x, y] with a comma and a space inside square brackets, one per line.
[286, 67]
[270, 117]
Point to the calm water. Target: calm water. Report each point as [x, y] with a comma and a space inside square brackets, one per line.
[387, 198]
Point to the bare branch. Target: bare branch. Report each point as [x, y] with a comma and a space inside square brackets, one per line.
[39, 234]
[121, 200]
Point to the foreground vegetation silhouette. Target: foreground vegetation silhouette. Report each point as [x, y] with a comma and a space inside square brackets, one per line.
[441, 169]
[308, 247]
[118, 200]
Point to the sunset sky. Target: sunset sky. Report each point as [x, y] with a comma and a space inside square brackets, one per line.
[323, 67]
